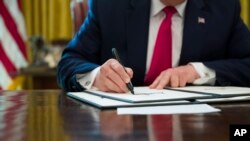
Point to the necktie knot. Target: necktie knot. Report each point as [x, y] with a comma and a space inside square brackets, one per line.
[170, 11]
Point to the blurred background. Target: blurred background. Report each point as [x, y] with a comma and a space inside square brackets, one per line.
[33, 34]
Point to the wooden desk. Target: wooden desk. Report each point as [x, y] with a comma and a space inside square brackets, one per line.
[51, 116]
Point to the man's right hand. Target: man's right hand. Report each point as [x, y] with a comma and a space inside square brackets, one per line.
[112, 77]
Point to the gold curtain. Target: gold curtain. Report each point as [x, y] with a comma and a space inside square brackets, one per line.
[48, 18]
[245, 11]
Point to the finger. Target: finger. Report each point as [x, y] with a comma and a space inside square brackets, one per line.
[119, 69]
[156, 82]
[182, 82]
[130, 72]
[163, 81]
[115, 78]
[111, 86]
[174, 80]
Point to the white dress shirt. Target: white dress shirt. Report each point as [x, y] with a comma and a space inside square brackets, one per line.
[207, 76]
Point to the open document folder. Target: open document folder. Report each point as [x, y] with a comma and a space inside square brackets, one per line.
[145, 94]
[143, 97]
[105, 103]
[150, 97]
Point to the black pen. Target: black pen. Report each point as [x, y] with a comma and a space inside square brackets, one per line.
[115, 54]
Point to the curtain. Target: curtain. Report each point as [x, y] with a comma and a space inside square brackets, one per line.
[245, 11]
[49, 18]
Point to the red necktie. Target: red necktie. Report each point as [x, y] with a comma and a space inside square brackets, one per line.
[162, 56]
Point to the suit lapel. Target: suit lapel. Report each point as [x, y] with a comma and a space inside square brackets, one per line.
[137, 37]
[196, 19]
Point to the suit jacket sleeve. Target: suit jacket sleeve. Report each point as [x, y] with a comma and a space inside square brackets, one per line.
[81, 54]
[236, 69]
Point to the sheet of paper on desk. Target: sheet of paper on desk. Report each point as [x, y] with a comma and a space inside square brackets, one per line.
[144, 94]
[217, 90]
[110, 103]
[175, 109]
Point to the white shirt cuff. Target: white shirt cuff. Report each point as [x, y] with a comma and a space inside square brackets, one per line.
[207, 75]
[86, 80]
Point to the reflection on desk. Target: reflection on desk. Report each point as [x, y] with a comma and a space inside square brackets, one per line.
[51, 116]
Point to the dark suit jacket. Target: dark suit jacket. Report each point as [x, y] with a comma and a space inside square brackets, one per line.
[222, 43]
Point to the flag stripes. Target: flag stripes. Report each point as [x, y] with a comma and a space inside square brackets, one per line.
[6, 62]
[10, 47]
[12, 27]
[16, 13]
[13, 53]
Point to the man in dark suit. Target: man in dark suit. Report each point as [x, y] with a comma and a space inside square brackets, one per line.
[207, 44]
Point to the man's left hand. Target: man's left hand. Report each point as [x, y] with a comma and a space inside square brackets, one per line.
[175, 77]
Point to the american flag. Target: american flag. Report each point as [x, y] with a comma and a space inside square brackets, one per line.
[13, 53]
[201, 20]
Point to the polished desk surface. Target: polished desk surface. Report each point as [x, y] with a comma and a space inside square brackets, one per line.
[52, 116]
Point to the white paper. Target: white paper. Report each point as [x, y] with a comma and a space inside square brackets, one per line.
[217, 90]
[145, 94]
[178, 109]
[106, 103]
